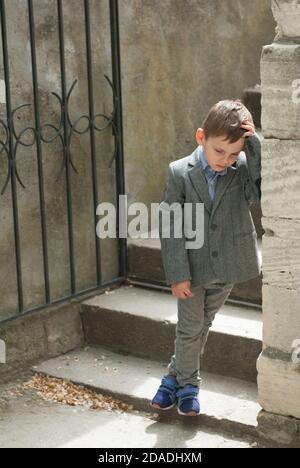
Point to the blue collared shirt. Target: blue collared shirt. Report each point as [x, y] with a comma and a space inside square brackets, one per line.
[210, 175]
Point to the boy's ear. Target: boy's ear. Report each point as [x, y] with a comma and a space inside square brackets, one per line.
[199, 135]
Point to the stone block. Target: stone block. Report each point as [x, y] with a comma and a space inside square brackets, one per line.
[281, 253]
[280, 83]
[279, 384]
[64, 329]
[287, 16]
[279, 430]
[280, 178]
[281, 314]
[40, 334]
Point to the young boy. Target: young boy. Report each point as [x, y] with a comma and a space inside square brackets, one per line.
[223, 173]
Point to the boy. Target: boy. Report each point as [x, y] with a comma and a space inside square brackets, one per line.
[223, 173]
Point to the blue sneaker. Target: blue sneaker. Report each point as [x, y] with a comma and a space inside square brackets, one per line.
[165, 397]
[188, 400]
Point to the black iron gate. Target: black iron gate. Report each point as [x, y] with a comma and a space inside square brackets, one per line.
[16, 134]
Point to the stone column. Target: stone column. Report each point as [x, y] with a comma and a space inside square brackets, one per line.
[279, 362]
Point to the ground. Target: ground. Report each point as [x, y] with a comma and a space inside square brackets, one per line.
[29, 421]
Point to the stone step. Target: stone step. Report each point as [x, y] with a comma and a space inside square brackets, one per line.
[29, 422]
[145, 265]
[227, 404]
[142, 322]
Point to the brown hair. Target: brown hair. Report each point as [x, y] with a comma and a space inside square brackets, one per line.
[225, 118]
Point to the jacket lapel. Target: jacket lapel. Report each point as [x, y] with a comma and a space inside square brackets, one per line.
[198, 180]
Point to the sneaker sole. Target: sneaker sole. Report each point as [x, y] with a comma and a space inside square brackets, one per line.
[189, 414]
[156, 406]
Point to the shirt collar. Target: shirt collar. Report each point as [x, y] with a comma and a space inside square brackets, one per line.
[205, 166]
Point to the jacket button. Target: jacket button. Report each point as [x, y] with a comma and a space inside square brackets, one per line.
[215, 253]
[214, 227]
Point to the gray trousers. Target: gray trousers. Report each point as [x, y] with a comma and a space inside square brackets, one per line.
[195, 317]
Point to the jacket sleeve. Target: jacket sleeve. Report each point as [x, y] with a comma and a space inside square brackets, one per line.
[252, 178]
[174, 254]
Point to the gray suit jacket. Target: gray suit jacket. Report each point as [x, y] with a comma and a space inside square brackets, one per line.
[229, 253]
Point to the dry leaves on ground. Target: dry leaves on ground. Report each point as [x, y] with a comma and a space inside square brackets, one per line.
[63, 391]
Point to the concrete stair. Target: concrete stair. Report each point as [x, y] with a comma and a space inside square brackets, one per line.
[142, 322]
[145, 266]
[129, 333]
[227, 404]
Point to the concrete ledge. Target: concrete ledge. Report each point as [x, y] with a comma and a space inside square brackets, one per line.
[38, 335]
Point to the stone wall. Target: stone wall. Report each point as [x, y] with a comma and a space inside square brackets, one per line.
[278, 365]
[178, 59]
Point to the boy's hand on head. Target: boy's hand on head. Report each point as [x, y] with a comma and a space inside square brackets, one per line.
[181, 289]
[249, 126]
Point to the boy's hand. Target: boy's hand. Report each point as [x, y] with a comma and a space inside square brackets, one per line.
[181, 289]
[249, 126]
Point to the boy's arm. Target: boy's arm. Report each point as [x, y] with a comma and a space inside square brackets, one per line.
[174, 253]
[252, 180]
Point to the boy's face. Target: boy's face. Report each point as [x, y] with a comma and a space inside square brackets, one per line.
[219, 153]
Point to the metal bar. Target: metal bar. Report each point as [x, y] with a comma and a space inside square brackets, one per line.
[151, 284]
[116, 74]
[92, 131]
[116, 282]
[12, 156]
[64, 132]
[39, 149]
[66, 148]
